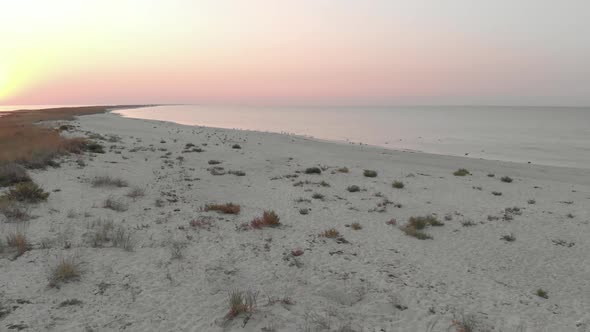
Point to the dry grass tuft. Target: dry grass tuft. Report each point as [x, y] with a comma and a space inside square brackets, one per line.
[135, 193]
[398, 184]
[415, 226]
[353, 188]
[241, 302]
[356, 226]
[331, 233]
[313, 170]
[227, 208]
[108, 181]
[13, 211]
[66, 270]
[17, 239]
[506, 179]
[467, 323]
[115, 204]
[370, 173]
[541, 293]
[123, 239]
[12, 173]
[343, 170]
[461, 172]
[268, 219]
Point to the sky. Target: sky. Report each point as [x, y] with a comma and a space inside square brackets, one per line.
[308, 52]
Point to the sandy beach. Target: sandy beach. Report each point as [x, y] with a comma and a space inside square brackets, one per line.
[502, 255]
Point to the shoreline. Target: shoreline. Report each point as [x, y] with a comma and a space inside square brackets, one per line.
[455, 145]
[485, 260]
[540, 168]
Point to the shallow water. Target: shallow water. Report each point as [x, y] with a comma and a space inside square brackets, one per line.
[549, 136]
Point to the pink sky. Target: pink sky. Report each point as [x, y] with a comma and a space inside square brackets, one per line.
[297, 52]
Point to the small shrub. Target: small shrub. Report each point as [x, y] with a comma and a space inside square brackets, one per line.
[268, 219]
[331, 233]
[28, 192]
[176, 250]
[115, 204]
[12, 173]
[107, 181]
[216, 170]
[370, 173]
[123, 239]
[303, 211]
[467, 323]
[391, 222]
[237, 173]
[491, 175]
[202, 223]
[353, 188]
[18, 240]
[496, 193]
[422, 222]
[343, 170]
[411, 231]
[94, 147]
[66, 270]
[70, 302]
[241, 302]
[415, 226]
[508, 238]
[136, 192]
[571, 216]
[296, 252]
[227, 208]
[159, 202]
[397, 184]
[236, 146]
[13, 211]
[531, 201]
[214, 162]
[541, 293]
[317, 196]
[506, 179]
[102, 232]
[461, 172]
[467, 223]
[356, 226]
[313, 170]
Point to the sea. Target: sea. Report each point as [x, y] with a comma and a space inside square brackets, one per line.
[556, 136]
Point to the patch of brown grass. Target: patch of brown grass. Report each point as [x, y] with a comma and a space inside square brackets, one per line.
[268, 219]
[66, 270]
[241, 302]
[18, 240]
[356, 226]
[34, 146]
[415, 226]
[331, 233]
[227, 208]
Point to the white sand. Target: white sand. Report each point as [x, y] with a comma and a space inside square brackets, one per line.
[364, 285]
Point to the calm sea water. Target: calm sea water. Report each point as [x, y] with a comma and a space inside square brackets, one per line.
[549, 136]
